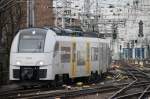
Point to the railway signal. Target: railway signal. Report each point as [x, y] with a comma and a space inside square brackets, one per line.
[114, 31]
[114, 35]
[132, 44]
[140, 29]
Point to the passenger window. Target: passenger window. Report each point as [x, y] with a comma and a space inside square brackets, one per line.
[65, 54]
[80, 58]
[56, 49]
[94, 54]
[57, 46]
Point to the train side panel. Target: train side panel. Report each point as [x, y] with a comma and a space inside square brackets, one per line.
[78, 57]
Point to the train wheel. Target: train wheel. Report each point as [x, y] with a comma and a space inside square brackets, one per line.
[100, 75]
[96, 76]
[91, 78]
[66, 79]
[59, 80]
[54, 83]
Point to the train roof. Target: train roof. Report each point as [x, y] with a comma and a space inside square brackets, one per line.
[71, 32]
[69, 35]
[65, 32]
[87, 39]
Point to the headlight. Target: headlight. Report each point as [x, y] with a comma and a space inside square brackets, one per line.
[18, 62]
[40, 63]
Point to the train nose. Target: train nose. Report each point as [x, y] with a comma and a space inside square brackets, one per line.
[29, 73]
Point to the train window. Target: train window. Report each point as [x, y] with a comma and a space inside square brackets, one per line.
[80, 58]
[57, 46]
[94, 54]
[31, 43]
[56, 49]
[65, 54]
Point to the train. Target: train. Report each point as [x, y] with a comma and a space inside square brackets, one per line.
[42, 54]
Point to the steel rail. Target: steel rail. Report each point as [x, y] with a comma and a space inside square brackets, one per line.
[145, 74]
[131, 95]
[91, 90]
[69, 93]
[32, 92]
[15, 93]
[126, 87]
[73, 93]
[133, 73]
[99, 89]
[143, 94]
[76, 93]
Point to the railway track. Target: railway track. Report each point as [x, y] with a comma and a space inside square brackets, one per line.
[125, 92]
[38, 93]
[122, 90]
[21, 91]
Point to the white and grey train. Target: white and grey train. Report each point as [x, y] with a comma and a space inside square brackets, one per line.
[40, 54]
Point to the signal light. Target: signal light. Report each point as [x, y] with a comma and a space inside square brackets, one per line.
[114, 35]
[140, 29]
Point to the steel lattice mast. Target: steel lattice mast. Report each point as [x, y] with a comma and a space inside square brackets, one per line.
[62, 12]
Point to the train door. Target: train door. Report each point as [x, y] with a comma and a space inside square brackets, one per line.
[88, 59]
[94, 57]
[100, 58]
[104, 58]
[56, 58]
[65, 57]
[108, 56]
[73, 59]
[81, 49]
[61, 57]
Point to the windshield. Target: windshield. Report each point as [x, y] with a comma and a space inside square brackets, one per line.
[31, 42]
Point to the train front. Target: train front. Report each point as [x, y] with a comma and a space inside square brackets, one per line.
[30, 55]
